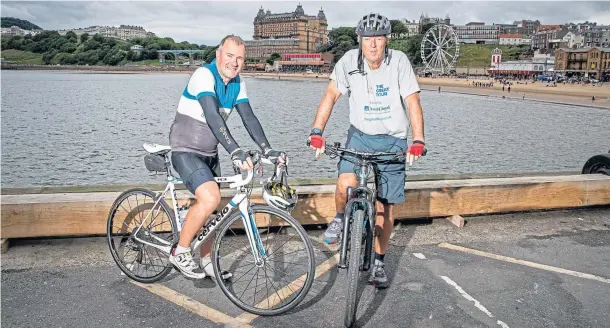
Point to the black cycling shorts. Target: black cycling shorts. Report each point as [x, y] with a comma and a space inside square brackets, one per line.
[195, 169]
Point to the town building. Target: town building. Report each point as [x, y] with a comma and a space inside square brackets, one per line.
[580, 27]
[16, 30]
[284, 33]
[528, 27]
[265, 47]
[478, 32]
[424, 20]
[514, 40]
[543, 38]
[510, 29]
[597, 36]
[592, 62]
[413, 27]
[305, 63]
[539, 65]
[123, 32]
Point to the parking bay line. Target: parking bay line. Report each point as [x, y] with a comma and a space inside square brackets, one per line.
[526, 263]
[192, 305]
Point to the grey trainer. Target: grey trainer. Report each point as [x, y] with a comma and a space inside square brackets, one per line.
[378, 276]
[332, 235]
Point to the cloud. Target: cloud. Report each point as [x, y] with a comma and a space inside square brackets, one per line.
[208, 22]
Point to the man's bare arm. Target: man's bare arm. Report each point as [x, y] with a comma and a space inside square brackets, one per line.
[416, 116]
[327, 103]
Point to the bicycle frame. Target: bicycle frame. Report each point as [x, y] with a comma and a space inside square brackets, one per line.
[240, 200]
[366, 197]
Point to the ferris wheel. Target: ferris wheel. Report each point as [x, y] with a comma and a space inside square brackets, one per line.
[440, 49]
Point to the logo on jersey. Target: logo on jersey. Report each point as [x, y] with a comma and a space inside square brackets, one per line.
[225, 134]
[381, 91]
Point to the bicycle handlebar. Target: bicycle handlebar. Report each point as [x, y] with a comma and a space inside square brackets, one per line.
[237, 180]
[335, 149]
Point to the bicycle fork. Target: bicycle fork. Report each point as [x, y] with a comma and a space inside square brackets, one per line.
[256, 245]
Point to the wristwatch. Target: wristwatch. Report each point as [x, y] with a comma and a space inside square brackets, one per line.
[316, 131]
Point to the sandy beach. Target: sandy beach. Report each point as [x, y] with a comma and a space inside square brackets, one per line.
[573, 94]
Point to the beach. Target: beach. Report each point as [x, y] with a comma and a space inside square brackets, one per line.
[572, 94]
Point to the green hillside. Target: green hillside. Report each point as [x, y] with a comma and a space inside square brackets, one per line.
[24, 24]
[479, 55]
[21, 57]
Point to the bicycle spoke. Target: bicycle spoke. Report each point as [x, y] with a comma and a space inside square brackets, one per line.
[272, 284]
[274, 254]
[268, 255]
[236, 280]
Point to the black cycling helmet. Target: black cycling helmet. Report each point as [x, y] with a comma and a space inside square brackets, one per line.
[374, 25]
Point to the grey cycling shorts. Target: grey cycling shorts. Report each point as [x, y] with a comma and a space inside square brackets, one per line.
[391, 188]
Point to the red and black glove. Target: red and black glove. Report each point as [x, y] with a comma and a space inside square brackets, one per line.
[417, 148]
[316, 139]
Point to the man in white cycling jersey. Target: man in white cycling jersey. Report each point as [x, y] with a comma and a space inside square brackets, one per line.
[206, 102]
[383, 101]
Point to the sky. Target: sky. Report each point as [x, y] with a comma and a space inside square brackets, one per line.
[208, 22]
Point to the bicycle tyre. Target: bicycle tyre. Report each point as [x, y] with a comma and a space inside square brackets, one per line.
[265, 209]
[353, 269]
[115, 206]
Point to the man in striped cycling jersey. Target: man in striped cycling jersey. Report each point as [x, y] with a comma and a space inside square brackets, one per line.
[199, 126]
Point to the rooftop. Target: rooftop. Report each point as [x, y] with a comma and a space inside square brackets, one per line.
[511, 36]
[586, 49]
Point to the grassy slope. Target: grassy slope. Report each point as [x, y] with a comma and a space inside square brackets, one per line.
[21, 57]
[479, 55]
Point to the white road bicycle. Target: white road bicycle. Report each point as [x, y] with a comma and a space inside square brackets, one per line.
[257, 243]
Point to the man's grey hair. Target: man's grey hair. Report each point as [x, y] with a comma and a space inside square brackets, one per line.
[233, 38]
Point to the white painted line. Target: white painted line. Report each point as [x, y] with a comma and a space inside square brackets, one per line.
[419, 256]
[526, 263]
[472, 299]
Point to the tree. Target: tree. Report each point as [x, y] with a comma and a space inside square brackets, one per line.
[426, 27]
[210, 54]
[68, 47]
[398, 28]
[71, 36]
[336, 33]
[274, 56]
[47, 57]
[411, 46]
[84, 37]
[24, 24]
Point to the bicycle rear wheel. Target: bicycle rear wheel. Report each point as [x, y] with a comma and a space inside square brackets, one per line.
[271, 287]
[139, 261]
[353, 269]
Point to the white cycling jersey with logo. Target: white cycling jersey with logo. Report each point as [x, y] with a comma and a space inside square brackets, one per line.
[376, 98]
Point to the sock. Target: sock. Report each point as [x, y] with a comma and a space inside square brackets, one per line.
[205, 261]
[379, 257]
[181, 250]
[340, 216]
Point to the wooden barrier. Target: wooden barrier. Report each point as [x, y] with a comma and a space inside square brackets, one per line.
[85, 213]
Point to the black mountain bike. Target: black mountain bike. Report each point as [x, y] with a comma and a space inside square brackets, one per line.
[359, 222]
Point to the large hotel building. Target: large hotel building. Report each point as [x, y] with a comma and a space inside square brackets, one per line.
[287, 33]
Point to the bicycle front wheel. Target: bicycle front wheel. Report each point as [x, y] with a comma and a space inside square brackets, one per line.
[286, 273]
[353, 269]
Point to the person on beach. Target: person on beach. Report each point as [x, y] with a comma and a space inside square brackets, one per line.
[199, 126]
[377, 81]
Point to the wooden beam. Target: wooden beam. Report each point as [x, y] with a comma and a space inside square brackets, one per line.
[456, 220]
[77, 214]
